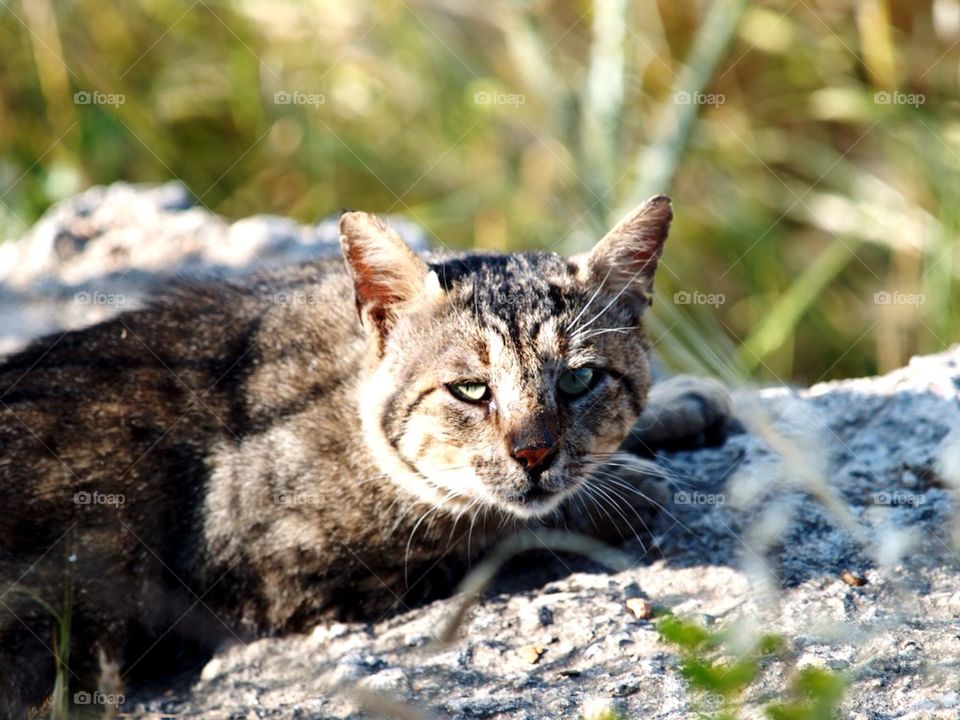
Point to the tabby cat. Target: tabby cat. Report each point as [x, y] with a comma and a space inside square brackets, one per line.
[332, 440]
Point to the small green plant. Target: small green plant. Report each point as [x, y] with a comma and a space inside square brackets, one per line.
[721, 683]
[60, 708]
[60, 697]
[817, 695]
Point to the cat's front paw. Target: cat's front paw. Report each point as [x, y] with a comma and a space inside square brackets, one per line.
[681, 411]
[619, 500]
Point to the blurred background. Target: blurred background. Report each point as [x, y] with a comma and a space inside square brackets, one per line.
[812, 149]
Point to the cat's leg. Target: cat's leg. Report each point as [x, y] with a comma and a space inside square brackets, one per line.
[681, 411]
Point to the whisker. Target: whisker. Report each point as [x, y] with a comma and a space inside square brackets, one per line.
[573, 329]
[672, 478]
[434, 510]
[647, 466]
[648, 469]
[616, 297]
[621, 483]
[661, 507]
[603, 331]
[583, 510]
[473, 520]
[612, 496]
[597, 502]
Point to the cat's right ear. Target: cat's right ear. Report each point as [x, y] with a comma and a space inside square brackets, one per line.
[625, 260]
[387, 274]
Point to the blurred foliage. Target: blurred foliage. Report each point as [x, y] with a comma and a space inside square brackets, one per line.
[800, 192]
[721, 666]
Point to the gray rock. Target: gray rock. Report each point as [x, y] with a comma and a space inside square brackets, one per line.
[110, 248]
[856, 478]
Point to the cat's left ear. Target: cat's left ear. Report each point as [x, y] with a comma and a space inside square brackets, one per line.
[625, 260]
[387, 275]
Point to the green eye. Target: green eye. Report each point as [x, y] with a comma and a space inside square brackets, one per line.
[576, 381]
[469, 392]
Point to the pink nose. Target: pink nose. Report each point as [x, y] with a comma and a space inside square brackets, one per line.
[531, 457]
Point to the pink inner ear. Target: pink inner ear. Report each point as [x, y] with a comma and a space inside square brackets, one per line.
[633, 259]
[372, 286]
[644, 260]
[644, 239]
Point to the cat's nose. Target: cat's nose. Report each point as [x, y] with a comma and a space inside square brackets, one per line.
[537, 458]
[534, 443]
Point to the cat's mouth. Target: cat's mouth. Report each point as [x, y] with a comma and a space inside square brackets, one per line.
[537, 496]
[537, 499]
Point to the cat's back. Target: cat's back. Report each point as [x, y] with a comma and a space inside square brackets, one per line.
[94, 413]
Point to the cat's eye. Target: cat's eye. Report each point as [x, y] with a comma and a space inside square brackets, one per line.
[470, 392]
[577, 381]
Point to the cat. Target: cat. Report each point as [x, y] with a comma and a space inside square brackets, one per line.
[334, 439]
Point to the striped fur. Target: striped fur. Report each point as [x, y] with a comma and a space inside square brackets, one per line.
[281, 460]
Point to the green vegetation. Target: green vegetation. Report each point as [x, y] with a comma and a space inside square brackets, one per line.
[811, 149]
[60, 697]
[720, 682]
[604, 714]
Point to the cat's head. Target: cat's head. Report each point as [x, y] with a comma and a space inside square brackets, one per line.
[500, 380]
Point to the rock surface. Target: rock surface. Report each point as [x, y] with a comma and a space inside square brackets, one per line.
[832, 523]
[747, 543]
[107, 249]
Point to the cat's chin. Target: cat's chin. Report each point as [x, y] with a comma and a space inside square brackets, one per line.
[536, 502]
[531, 511]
